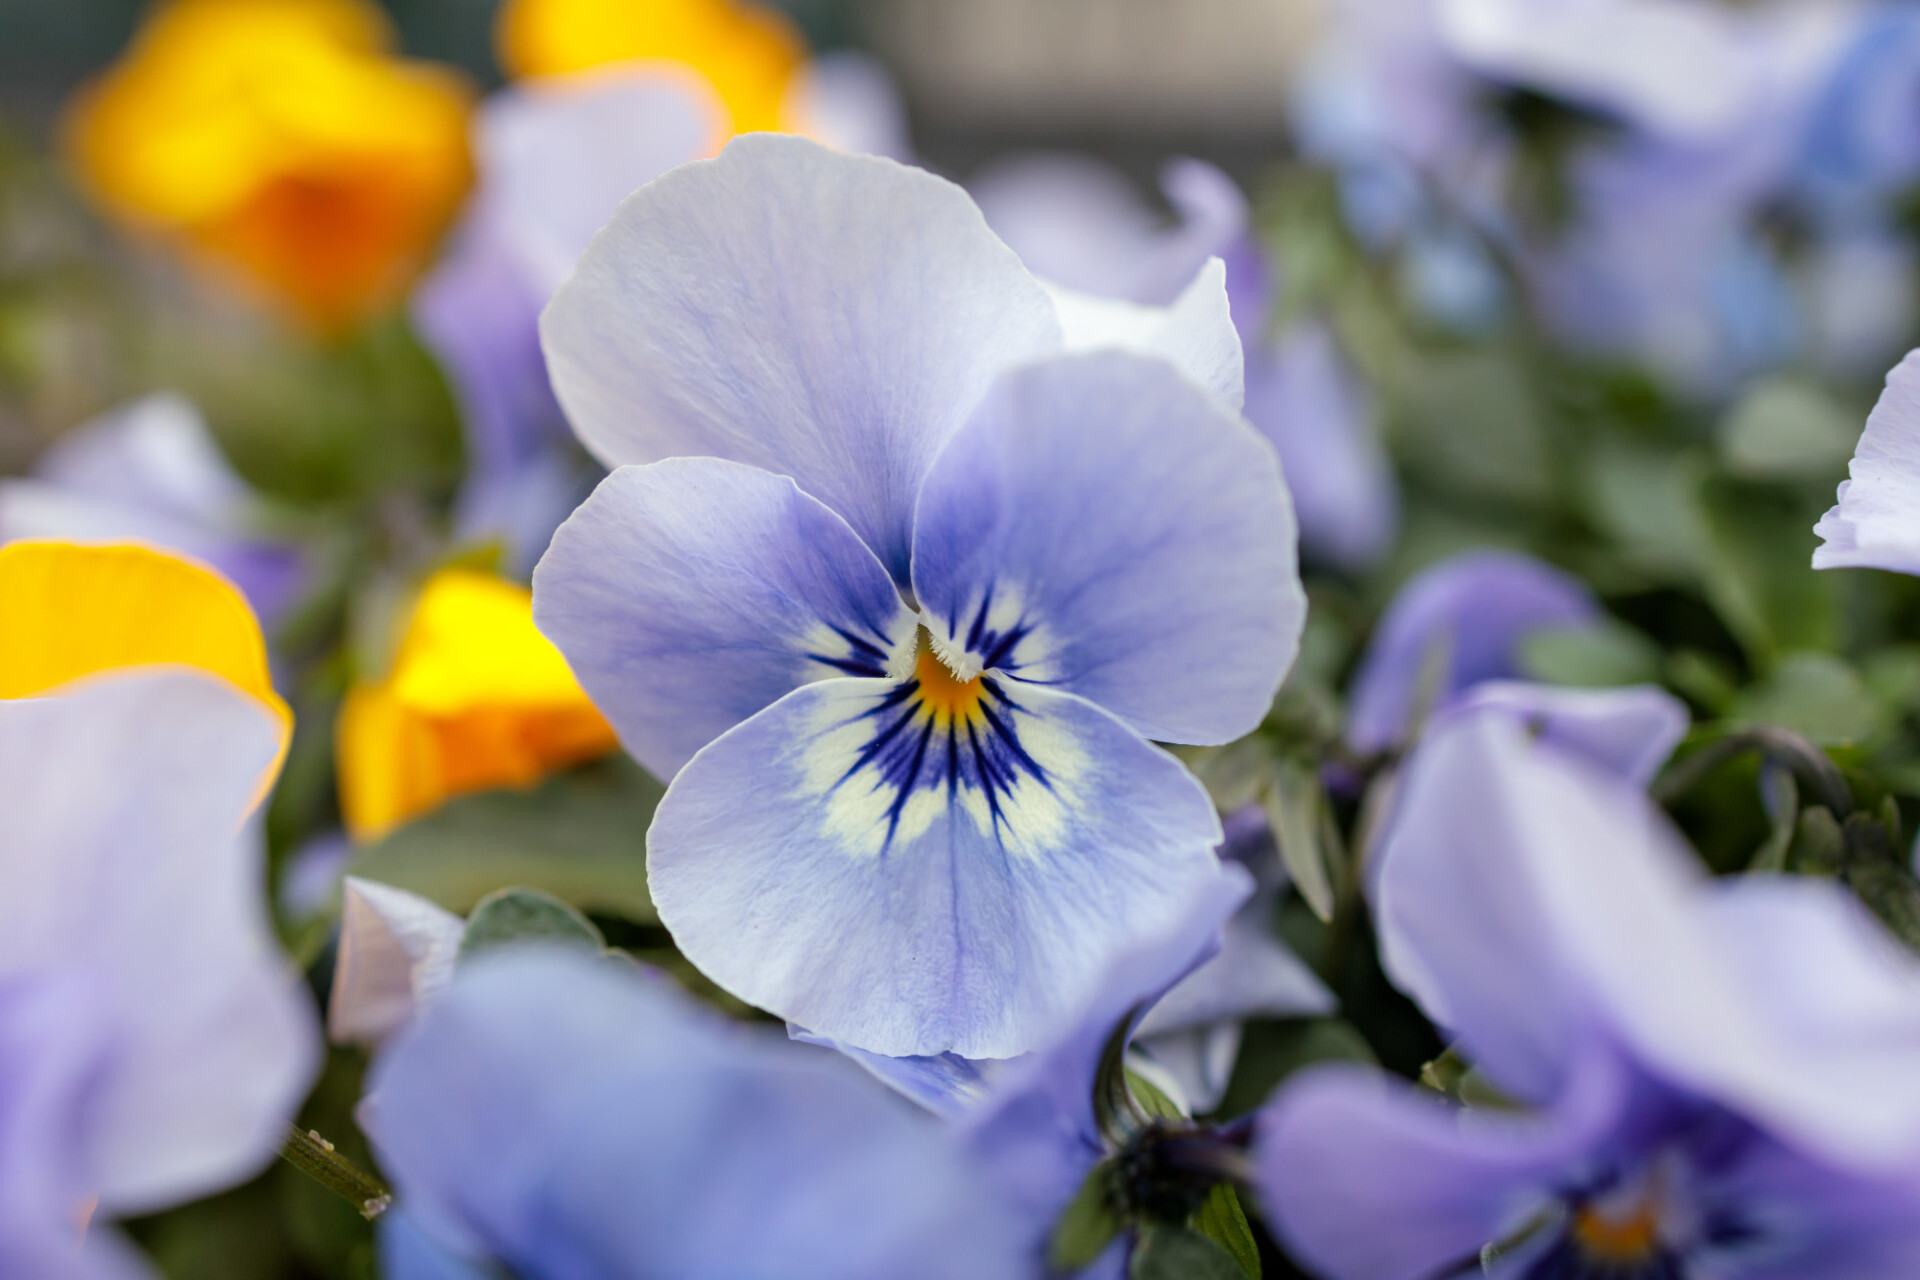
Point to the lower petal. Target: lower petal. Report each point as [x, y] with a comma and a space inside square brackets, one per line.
[913, 882]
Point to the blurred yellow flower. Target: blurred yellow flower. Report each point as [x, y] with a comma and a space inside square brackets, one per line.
[279, 140]
[69, 611]
[477, 698]
[749, 54]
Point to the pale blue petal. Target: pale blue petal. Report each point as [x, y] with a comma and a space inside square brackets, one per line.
[829, 317]
[944, 1083]
[1194, 333]
[1365, 1178]
[1101, 527]
[126, 865]
[1254, 975]
[1461, 620]
[690, 594]
[1629, 732]
[408, 1253]
[914, 884]
[1876, 523]
[1037, 1132]
[576, 1119]
[1524, 894]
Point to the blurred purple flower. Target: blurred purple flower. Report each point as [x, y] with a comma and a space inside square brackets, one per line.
[914, 821]
[1079, 222]
[1724, 1076]
[154, 1041]
[150, 472]
[555, 158]
[568, 1116]
[1456, 624]
[1876, 523]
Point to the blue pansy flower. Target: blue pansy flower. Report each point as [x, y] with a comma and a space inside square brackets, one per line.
[902, 635]
[1711, 1077]
[570, 1116]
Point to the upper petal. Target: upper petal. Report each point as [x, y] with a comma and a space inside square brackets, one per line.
[911, 879]
[1876, 523]
[691, 593]
[1195, 333]
[824, 316]
[1102, 527]
[1467, 614]
[123, 860]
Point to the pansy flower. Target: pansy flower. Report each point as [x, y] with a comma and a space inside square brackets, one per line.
[1704, 1077]
[155, 1041]
[899, 593]
[475, 698]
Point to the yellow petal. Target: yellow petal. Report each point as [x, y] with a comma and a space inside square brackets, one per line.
[69, 611]
[748, 53]
[278, 140]
[477, 699]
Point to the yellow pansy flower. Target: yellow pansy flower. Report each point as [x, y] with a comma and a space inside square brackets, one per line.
[476, 698]
[749, 54]
[70, 611]
[279, 140]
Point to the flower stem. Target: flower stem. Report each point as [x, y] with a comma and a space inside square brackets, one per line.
[314, 1156]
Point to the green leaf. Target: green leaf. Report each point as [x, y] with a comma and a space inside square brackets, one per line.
[1166, 1252]
[1221, 1219]
[1089, 1224]
[1293, 803]
[1151, 1099]
[1272, 1050]
[1756, 571]
[1816, 695]
[526, 915]
[580, 836]
[1784, 428]
[1595, 657]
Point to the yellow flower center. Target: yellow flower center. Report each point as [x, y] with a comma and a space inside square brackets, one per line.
[1607, 1237]
[943, 694]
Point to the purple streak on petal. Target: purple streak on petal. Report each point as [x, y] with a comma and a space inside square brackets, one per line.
[1472, 610]
[690, 594]
[1102, 527]
[912, 887]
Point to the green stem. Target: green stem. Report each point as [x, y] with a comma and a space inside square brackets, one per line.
[314, 1156]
